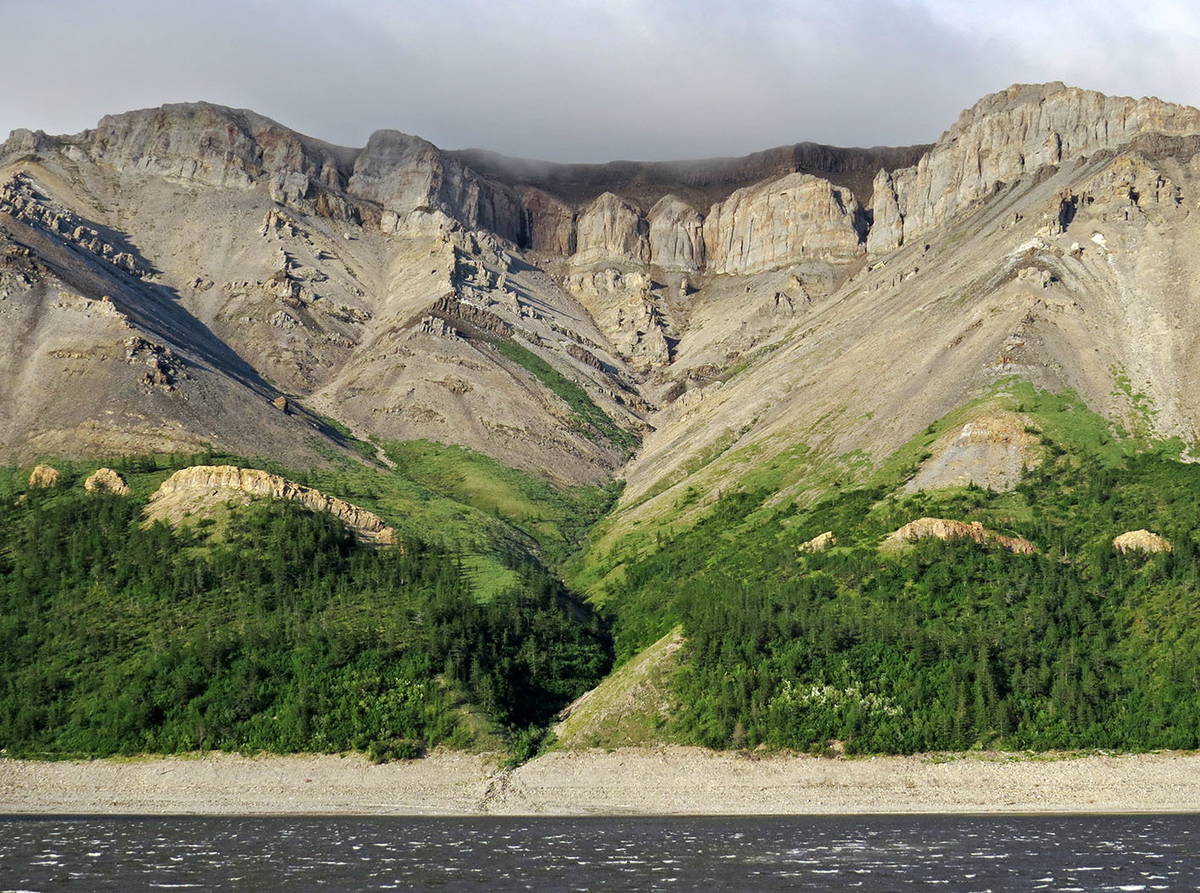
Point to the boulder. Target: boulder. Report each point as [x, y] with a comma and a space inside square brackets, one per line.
[43, 476]
[1140, 541]
[820, 542]
[105, 480]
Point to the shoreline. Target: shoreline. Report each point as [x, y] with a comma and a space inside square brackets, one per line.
[649, 781]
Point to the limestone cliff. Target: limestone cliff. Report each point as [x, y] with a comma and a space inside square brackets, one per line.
[547, 223]
[676, 232]
[784, 221]
[217, 146]
[411, 179]
[202, 484]
[611, 227]
[943, 529]
[1012, 134]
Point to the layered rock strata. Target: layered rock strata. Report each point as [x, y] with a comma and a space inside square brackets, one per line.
[943, 529]
[214, 483]
[1006, 136]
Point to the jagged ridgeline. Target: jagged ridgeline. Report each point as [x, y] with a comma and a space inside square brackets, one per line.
[475, 349]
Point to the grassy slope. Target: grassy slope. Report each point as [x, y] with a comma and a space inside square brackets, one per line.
[806, 474]
[497, 527]
[788, 650]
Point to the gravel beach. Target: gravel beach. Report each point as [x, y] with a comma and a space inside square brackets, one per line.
[642, 781]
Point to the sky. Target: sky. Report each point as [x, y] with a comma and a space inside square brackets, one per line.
[586, 80]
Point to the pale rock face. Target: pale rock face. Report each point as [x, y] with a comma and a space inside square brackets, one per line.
[105, 480]
[1008, 134]
[623, 307]
[1140, 541]
[547, 224]
[184, 142]
[409, 177]
[887, 229]
[820, 543]
[217, 146]
[216, 483]
[611, 227]
[796, 217]
[944, 529]
[43, 476]
[676, 235]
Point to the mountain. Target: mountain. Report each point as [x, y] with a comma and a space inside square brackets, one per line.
[738, 340]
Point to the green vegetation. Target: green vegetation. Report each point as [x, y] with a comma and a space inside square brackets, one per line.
[632, 706]
[589, 418]
[284, 635]
[556, 519]
[268, 628]
[942, 645]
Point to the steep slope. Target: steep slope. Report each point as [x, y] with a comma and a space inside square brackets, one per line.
[412, 293]
[1074, 275]
[351, 281]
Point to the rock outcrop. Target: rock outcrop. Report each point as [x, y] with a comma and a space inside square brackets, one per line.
[105, 480]
[609, 228]
[676, 235]
[219, 483]
[43, 476]
[794, 218]
[1140, 541]
[943, 529]
[820, 542]
[1010, 134]
[218, 146]
[20, 198]
[413, 181]
[887, 225]
[990, 451]
[547, 224]
[624, 308]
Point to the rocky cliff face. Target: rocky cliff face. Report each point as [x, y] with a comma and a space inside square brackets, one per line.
[410, 178]
[942, 529]
[611, 227]
[217, 146]
[1010, 135]
[218, 483]
[795, 218]
[414, 293]
[676, 233]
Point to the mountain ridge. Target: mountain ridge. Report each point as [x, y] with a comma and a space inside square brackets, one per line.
[633, 304]
[664, 403]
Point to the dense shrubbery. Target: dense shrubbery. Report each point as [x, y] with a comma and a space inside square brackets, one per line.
[946, 645]
[280, 635]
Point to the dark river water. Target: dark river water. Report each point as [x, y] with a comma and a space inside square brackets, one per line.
[956, 853]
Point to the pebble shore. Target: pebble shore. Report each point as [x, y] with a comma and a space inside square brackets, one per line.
[641, 781]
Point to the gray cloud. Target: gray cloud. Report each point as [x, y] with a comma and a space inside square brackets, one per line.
[585, 80]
